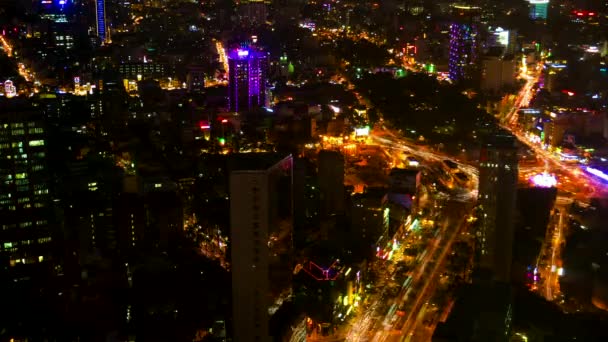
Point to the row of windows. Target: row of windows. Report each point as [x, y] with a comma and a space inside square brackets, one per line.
[25, 205]
[21, 131]
[31, 260]
[27, 224]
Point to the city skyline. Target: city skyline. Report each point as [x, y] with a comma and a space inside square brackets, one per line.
[303, 171]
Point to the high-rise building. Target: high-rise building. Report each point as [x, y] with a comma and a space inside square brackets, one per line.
[464, 44]
[497, 73]
[331, 182]
[497, 196]
[247, 78]
[253, 12]
[100, 20]
[25, 210]
[538, 9]
[261, 230]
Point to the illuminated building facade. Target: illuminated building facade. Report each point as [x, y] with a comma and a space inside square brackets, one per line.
[246, 79]
[538, 9]
[25, 213]
[261, 222]
[497, 195]
[464, 44]
[100, 14]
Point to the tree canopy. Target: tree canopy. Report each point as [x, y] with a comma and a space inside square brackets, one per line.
[418, 101]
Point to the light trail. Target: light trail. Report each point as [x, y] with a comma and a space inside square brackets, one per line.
[6, 46]
[221, 51]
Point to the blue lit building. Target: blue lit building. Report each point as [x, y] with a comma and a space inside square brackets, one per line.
[538, 9]
[100, 14]
[246, 78]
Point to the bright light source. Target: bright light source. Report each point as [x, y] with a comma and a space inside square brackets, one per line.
[335, 109]
[544, 180]
[242, 53]
[597, 173]
[362, 132]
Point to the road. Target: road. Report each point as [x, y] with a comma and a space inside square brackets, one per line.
[574, 184]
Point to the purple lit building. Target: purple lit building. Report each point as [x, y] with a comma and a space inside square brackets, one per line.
[247, 78]
[464, 44]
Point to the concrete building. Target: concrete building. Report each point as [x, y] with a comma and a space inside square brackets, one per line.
[497, 195]
[497, 73]
[261, 229]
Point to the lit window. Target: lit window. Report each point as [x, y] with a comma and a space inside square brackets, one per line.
[36, 143]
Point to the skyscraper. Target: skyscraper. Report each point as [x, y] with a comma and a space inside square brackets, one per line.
[261, 231]
[331, 182]
[100, 16]
[464, 44]
[497, 196]
[538, 9]
[25, 211]
[246, 78]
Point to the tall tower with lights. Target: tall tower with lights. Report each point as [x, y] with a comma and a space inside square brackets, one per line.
[100, 20]
[464, 46]
[246, 78]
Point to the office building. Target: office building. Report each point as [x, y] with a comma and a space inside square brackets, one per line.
[25, 210]
[464, 44]
[253, 12]
[100, 20]
[195, 79]
[331, 182]
[246, 79]
[497, 195]
[497, 73]
[261, 234]
[538, 9]
[144, 70]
